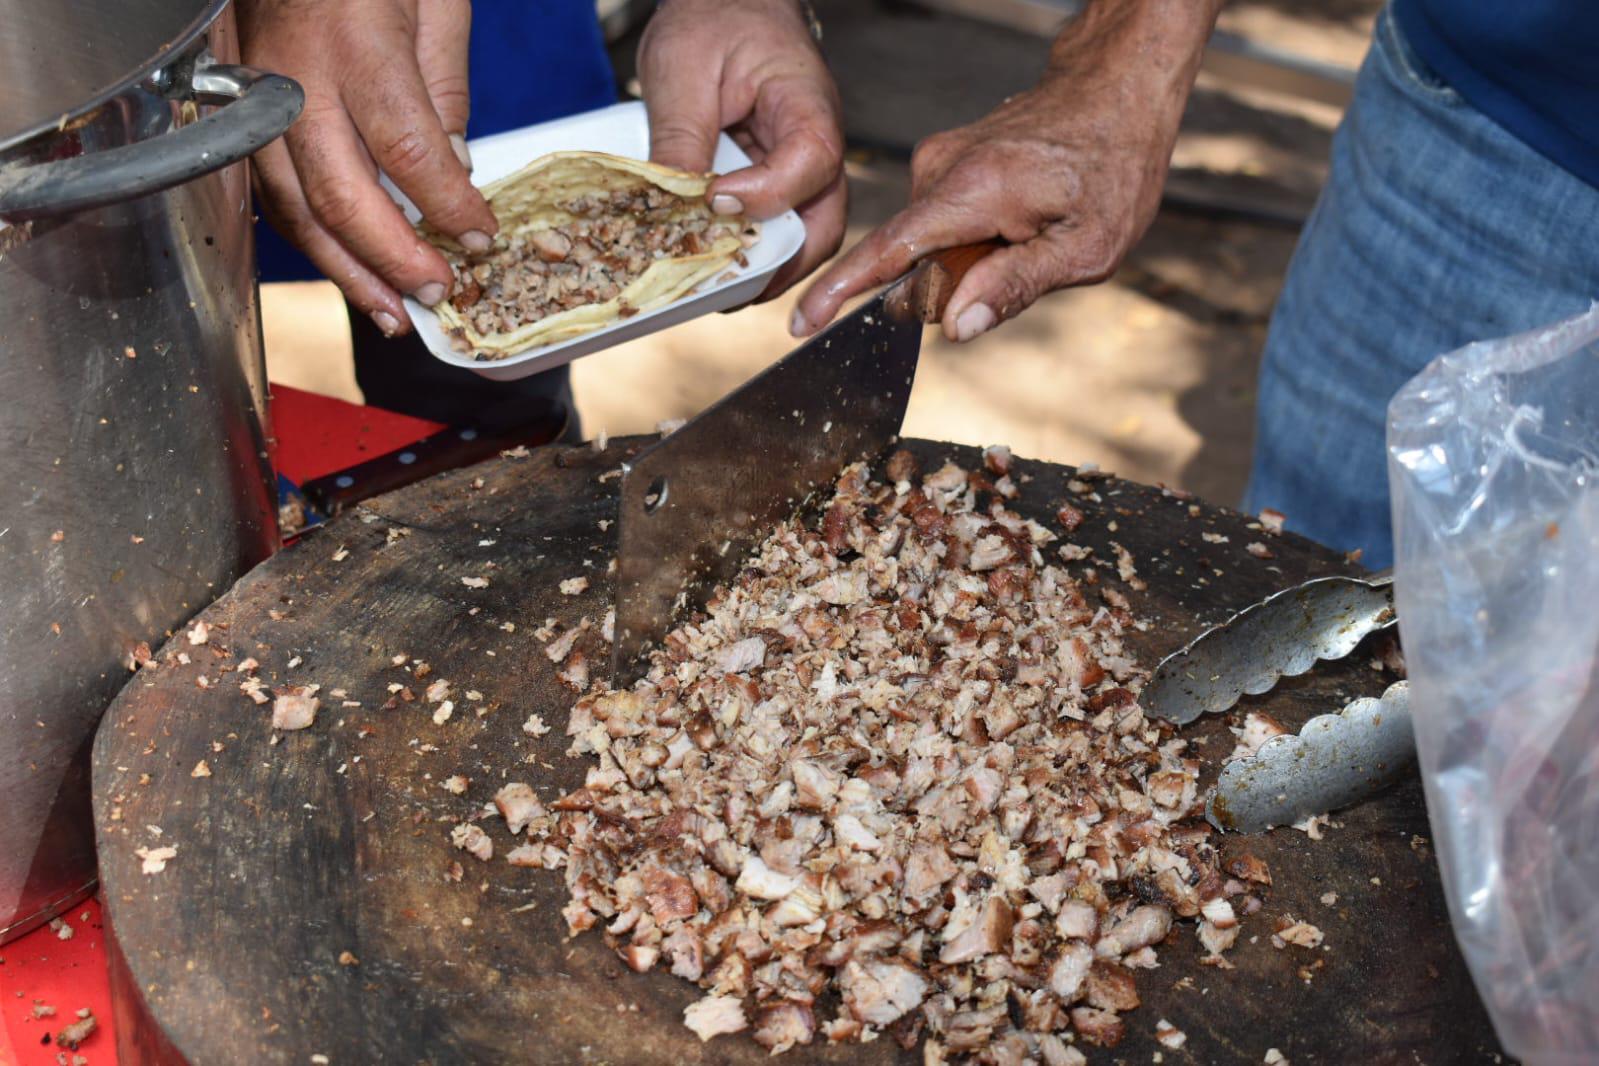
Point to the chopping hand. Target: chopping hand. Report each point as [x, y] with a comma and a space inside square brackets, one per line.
[1070, 171]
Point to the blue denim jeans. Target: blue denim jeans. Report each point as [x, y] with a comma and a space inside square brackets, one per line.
[1436, 227]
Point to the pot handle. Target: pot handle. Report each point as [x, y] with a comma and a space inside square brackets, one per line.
[260, 107]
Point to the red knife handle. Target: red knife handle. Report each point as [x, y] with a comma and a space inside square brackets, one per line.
[933, 282]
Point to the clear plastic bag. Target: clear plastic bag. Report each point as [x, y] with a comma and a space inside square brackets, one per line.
[1493, 456]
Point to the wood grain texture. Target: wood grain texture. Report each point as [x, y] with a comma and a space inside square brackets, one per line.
[335, 838]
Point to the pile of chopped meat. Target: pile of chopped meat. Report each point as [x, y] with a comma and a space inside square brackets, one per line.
[896, 780]
[610, 241]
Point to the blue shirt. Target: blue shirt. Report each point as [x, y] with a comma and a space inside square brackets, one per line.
[1530, 65]
[531, 60]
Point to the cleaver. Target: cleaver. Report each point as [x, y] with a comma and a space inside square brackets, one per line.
[695, 502]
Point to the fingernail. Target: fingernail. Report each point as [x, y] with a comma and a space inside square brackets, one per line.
[464, 154]
[976, 319]
[429, 294]
[723, 204]
[475, 240]
[386, 322]
[797, 325]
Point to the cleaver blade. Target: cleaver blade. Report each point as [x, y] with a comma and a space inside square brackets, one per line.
[695, 502]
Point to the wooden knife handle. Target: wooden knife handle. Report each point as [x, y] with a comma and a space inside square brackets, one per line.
[936, 277]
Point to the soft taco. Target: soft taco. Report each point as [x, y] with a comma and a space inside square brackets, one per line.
[585, 239]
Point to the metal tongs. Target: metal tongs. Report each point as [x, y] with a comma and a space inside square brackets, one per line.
[1336, 759]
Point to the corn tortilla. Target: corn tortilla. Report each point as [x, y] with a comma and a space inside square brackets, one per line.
[531, 199]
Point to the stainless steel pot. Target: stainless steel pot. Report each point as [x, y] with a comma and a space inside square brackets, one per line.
[134, 485]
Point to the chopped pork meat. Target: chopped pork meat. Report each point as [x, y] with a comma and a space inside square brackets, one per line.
[759, 881]
[518, 805]
[670, 895]
[473, 840]
[1219, 913]
[1145, 925]
[1249, 867]
[815, 785]
[1258, 728]
[714, 1015]
[879, 991]
[1300, 934]
[988, 932]
[1110, 987]
[606, 243]
[154, 860]
[1215, 939]
[782, 1025]
[295, 709]
[1057, 1052]
[1077, 920]
[894, 781]
[76, 1033]
[1097, 1026]
[1070, 970]
[743, 656]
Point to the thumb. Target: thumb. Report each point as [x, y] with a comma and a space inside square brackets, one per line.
[683, 133]
[1006, 282]
[685, 116]
[804, 152]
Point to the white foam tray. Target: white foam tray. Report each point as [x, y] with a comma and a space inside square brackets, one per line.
[622, 129]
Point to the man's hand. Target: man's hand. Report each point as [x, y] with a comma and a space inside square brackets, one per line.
[751, 68]
[1069, 173]
[385, 88]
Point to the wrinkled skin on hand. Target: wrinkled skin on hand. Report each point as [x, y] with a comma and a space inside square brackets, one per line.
[1069, 174]
[751, 68]
[385, 88]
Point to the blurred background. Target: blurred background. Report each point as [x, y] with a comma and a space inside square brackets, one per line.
[1150, 375]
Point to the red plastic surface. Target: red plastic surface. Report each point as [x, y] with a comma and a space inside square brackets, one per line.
[314, 435]
[42, 970]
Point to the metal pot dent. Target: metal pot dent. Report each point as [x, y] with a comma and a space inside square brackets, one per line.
[134, 483]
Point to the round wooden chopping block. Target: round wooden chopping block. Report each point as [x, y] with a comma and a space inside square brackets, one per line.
[315, 907]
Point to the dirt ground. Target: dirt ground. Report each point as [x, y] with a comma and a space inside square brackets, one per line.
[1150, 374]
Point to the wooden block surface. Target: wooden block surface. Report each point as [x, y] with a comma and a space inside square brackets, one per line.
[333, 842]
